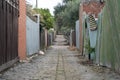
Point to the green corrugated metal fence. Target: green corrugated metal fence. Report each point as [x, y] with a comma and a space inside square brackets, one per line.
[109, 45]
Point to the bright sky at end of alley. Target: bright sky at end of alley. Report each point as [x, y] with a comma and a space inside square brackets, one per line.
[46, 4]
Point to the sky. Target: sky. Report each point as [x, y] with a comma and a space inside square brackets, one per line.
[46, 4]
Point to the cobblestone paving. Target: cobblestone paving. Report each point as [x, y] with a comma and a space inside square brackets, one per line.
[58, 63]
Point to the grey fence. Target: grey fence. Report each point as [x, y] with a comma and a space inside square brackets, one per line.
[33, 37]
[77, 35]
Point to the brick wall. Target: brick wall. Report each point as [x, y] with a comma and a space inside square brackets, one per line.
[22, 30]
[92, 7]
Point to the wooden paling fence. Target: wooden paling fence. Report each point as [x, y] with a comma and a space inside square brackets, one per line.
[8, 32]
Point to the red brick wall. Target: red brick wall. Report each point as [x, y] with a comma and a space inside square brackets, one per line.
[22, 30]
[93, 8]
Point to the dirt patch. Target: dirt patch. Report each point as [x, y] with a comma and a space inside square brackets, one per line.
[73, 48]
[103, 70]
[86, 62]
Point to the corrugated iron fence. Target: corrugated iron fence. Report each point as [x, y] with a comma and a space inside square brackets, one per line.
[33, 37]
[8, 32]
[109, 32]
[77, 35]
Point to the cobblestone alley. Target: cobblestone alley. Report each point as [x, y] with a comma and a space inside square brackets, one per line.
[58, 63]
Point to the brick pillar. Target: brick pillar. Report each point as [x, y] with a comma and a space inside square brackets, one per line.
[81, 29]
[22, 30]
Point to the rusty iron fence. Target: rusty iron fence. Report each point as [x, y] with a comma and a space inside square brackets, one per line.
[42, 39]
[74, 38]
[8, 32]
[48, 40]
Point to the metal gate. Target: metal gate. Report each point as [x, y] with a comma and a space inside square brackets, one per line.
[8, 32]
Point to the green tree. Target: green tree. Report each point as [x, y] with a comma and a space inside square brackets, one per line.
[46, 19]
[67, 13]
[65, 1]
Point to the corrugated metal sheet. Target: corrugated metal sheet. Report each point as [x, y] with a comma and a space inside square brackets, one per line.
[89, 38]
[86, 37]
[77, 35]
[33, 37]
[92, 34]
[98, 39]
[110, 35]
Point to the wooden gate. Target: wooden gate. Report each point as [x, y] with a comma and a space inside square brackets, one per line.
[8, 32]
